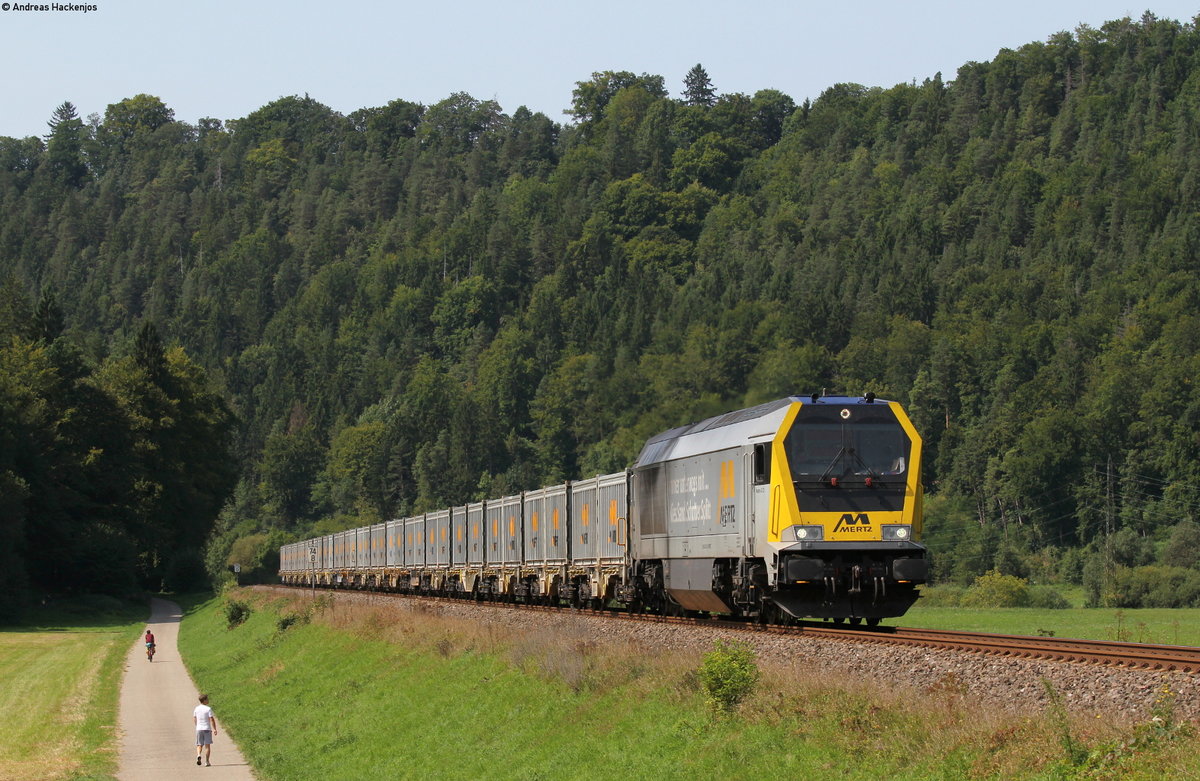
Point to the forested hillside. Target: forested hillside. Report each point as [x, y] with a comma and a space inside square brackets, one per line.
[416, 305]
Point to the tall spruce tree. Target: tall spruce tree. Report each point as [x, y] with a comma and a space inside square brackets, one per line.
[698, 89]
[65, 145]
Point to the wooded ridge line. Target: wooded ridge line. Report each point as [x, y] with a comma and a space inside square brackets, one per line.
[302, 321]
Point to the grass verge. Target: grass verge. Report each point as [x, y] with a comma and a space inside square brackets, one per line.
[365, 691]
[1160, 626]
[60, 675]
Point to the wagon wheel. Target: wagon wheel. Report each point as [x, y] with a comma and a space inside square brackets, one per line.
[769, 613]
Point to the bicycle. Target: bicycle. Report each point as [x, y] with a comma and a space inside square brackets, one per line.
[150, 651]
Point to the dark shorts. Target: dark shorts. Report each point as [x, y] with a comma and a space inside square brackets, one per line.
[203, 737]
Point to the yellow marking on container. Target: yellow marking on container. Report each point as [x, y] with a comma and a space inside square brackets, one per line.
[612, 512]
[585, 514]
[554, 518]
[534, 521]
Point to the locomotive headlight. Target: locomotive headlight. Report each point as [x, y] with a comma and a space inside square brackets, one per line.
[896, 531]
[809, 533]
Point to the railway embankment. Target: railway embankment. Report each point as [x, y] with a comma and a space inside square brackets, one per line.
[406, 688]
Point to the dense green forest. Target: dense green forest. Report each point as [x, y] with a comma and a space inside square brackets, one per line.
[306, 321]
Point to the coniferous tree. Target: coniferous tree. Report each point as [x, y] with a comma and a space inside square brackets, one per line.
[698, 89]
[65, 145]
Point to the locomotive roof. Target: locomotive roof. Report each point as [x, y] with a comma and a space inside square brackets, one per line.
[727, 430]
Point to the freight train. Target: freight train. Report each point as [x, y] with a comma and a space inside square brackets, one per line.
[805, 507]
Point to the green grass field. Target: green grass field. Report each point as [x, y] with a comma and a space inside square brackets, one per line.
[59, 684]
[380, 692]
[1153, 625]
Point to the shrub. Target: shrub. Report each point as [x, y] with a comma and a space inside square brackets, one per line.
[287, 621]
[1183, 546]
[941, 596]
[728, 675]
[1153, 586]
[236, 613]
[1093, 582]
[995, 590]
[1047, 598]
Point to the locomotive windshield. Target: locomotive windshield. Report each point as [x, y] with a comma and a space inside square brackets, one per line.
[836, 441]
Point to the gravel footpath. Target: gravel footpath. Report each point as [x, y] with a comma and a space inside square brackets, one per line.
[1014, 685]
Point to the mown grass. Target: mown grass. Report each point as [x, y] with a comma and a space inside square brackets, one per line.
[1159, 626]
[60, 674]
[393, 692]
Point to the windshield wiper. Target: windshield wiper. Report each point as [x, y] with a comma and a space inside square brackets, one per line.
[836, 459]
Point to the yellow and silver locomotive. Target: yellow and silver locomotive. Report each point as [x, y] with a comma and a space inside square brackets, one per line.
[800, 507]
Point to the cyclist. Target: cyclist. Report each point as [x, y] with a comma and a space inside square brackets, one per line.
[149, 644]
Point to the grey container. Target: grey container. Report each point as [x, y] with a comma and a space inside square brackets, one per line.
[414, 542]
[362, 548]
[437, 539]
[476, 535]
[546, 525]
[395, 543]
[504, 521]
[378, 545]
[341, 550]
[458, 536]
[325, 552]
[599, 519]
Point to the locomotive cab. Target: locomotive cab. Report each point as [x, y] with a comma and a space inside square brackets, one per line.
[845, 509]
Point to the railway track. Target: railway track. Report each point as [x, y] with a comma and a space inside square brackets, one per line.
[1141, 656]
[1129, 655]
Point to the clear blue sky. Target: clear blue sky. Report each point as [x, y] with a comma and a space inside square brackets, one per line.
[224, 59]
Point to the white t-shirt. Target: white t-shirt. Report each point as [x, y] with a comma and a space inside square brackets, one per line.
[203, 713]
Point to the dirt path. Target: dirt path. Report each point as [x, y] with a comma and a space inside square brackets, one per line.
[157, 698]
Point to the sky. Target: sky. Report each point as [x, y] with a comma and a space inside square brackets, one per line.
[225, 59]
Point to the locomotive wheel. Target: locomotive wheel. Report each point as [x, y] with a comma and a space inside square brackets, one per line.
[855, 621]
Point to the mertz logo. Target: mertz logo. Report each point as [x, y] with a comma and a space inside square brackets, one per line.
[849, 519]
